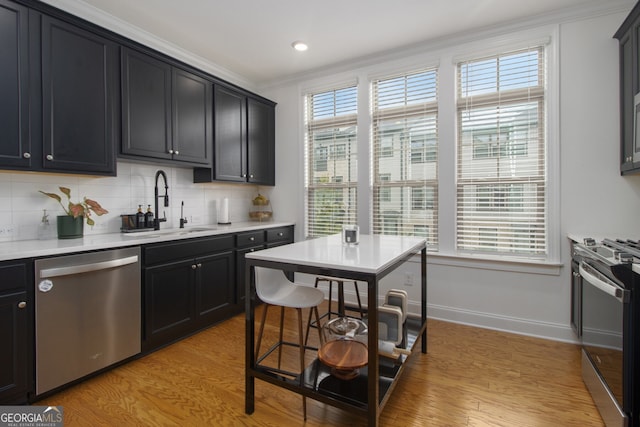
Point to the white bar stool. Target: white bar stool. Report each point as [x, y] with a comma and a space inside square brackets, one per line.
[275, 289]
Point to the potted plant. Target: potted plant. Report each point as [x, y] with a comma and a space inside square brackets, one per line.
[71, 225]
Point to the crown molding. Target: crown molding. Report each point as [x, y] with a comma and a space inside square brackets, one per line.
[101, 18]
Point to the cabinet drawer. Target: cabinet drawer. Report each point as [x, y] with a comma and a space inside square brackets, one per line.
[250, 238]
[14, 277]
[182, 249]
[280, 234]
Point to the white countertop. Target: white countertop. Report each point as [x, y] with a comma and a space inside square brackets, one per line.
[38, 248]
[373, 254]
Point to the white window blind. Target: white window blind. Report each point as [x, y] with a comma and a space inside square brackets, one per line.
[331, 160]
[501, 167]
[405, 155]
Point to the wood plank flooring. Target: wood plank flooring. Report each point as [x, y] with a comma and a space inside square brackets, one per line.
[470, 377]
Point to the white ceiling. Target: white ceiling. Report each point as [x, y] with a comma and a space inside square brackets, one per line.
[252, 38]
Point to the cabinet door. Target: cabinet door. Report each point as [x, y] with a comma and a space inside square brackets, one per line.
[241, 274]
[192, 118]
[15, 149]
[146, 106]
[261, 142]
[13, 351]
[230, 135]
[80, 98]
[16, 333]
[215, 289]
[168, 302]
[626, 103]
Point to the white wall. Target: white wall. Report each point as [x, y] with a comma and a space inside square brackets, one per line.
[593, 198]
[21, 204]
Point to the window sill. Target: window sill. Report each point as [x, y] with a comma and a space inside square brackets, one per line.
[497, 263]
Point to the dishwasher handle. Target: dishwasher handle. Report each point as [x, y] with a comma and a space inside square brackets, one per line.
[86, 268]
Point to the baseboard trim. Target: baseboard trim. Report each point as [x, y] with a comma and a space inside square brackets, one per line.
[528, 327]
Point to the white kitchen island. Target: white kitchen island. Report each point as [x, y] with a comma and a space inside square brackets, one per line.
[369, 261]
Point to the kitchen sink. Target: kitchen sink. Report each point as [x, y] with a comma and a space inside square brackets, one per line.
[168, 232]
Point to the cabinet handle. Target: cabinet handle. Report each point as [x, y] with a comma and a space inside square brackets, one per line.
[49, 157]
[199, 265]
[251, 176]
[22, 304]
[170, 151]
[26, 155]
[252, 239]
[176, 152]
[193, 266]
[244, 175]
[280, 234]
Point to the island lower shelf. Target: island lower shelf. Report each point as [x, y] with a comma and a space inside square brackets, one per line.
[319, 384]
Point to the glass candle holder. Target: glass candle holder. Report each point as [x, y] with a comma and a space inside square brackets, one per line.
[350, 234]
[344, 347]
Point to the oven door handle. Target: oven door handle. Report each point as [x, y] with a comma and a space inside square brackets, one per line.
[591, 276]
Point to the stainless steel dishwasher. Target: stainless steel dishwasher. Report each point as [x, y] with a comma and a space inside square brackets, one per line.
[88, 314]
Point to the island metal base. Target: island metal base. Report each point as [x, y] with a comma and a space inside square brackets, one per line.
[375, 383]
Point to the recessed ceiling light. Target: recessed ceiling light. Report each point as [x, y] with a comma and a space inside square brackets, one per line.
[300, 46]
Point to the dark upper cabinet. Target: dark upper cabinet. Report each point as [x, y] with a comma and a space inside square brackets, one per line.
[58, 95]
[16, 333]
[146, 105]
[79, 99]
[244, 139]
[192, 117]
[230, 135]
[15, 148]
[166, 111]
[628, 36]
[261, 140]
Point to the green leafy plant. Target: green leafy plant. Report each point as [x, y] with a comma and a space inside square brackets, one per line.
[84, 208]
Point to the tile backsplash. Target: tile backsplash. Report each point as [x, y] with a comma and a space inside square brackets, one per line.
[21, 205]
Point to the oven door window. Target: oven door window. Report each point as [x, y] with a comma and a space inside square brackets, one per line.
[602, 328]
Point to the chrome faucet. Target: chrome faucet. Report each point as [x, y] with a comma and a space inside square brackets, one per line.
[158, 220]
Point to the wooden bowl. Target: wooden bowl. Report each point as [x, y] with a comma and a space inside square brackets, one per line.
[344, 357]
[260, 215]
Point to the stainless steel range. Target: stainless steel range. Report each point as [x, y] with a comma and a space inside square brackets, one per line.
[608, 317]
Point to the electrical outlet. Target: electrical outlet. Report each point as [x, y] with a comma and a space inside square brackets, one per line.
[6, 231]
[408, 278]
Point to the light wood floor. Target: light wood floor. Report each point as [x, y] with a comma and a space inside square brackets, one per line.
[470, 377]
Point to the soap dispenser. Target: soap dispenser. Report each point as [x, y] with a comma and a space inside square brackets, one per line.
[45, 230]
[148, 217]
[139, 217]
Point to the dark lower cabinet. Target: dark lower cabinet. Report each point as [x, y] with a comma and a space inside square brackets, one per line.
[252, 241]
[215, 288]
[191, 284]
[16, 333]
[187, 285]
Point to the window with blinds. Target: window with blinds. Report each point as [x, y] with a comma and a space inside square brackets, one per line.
[405, 155]
[501, 168]
[331, 160]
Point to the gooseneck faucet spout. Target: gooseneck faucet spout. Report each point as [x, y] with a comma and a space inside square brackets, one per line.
[158, 220]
